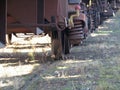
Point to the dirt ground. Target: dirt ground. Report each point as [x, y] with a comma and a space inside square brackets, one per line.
[94, 65]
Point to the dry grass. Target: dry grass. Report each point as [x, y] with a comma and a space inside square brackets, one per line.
[95, 65]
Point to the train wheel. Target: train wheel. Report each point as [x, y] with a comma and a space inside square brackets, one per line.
[8, 38]
[65, 44]
[91, 25]
[56, 47]
[97, 19]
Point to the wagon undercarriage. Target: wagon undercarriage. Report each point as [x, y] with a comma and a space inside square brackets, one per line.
[68, 22]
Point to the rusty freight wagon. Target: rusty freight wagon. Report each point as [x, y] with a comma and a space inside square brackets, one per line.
[99, 10]
[63, 20]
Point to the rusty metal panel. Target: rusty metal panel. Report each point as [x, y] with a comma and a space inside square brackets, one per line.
[40, 11]
[3, 21]
[55, 8]
[23, 10]
[50, 9]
